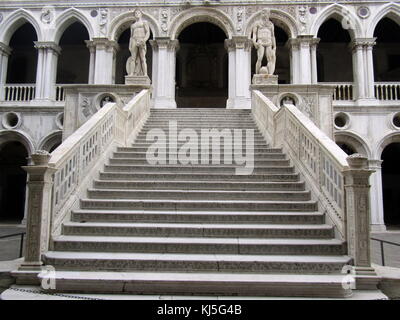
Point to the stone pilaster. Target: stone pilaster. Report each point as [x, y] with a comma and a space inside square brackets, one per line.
[5, 52]
[164, 62]
[239, 53]
[40, 183]
[357, 189]
[102, 60]
[363, 68]
[46, 73]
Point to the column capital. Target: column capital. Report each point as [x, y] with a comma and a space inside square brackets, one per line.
[102, 43]
[238, 42]
[359, 43]
[48, 45]
[164, 43]
[5, 49]
[375, 164]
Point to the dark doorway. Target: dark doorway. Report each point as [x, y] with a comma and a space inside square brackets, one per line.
[202, 67]
[73, 62]
[22, 63]
[282, 67]
[13, 155]
[390, 184]
[334, 59]
[387, 51]
[123, 54]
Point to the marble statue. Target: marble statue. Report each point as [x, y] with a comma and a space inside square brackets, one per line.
[140, 33]
[265, 43]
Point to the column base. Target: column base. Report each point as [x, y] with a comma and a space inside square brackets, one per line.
[238, 103]
[138, 80]
[377, 228]
[264, 79]
[164, 103]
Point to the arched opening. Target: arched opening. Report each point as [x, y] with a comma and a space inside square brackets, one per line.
[282, 67]
[334, 59]
[202, 67]
[390, 184]
[13, 155]
[387, 51]
[22, 62]
[123, 54]
[73, 62]
[346, 148]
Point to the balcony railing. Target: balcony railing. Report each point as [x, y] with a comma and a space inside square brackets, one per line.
[387, 91]
[60, 93]
[19, 92]
[344, 91]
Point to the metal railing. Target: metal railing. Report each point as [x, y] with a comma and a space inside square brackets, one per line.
[21, 244]
[383, 247]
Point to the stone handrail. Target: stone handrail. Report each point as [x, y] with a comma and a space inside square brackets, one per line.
[57, 181]
[339, 183]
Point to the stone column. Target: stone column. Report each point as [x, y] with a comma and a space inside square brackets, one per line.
[239, 55]
[164, 62]
[46, 70]
[314, 69]
[357, 190]
[369, 62]
[38, 229]
[377, 213]
[305, 58]
[293, 46]
[5, 52]
[102, 59]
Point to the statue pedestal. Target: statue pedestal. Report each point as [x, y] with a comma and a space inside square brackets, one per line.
[138, 80]
[265, 79]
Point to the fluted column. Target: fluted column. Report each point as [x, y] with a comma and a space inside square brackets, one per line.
[239, 55]
[164, 62]
[46, 73]
[102, 60]
[5, 52]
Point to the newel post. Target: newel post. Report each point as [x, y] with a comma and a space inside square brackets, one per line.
[357, 189]
[40, 184]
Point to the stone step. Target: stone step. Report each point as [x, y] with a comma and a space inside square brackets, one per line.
[200, 149]
[143, 135]
[263, 150]
[143, 139]
[168, 144]
[199, 205]
[143, 161]
[143, 155]
[220, 169]
[159, 176]
[93, 261]
[195, 245]
[202, 284]
[198, 230]
[219, 217]
[200, 185]
[138, 194]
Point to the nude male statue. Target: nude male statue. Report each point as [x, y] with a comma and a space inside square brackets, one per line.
[265, 43]
[140, 33]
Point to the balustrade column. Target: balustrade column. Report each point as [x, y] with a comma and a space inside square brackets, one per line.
[357, 189]
[102, 60]
[164, 62]
[5, 52]
[46, 73]
[239, 55]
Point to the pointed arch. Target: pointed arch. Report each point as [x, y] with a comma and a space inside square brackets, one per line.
[390, 10]
[194, 15]
[67, 18]
[122, 22]
[14, 21]
[337, 12]
[279, 18]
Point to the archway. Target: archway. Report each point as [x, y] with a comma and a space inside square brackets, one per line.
[390, 184]
[346, 148]
[334, 59]
[202, 67]
[22, 62]
[73, 62]
[13, 155]
[282, 67]
[387, 51]
[123, 54]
